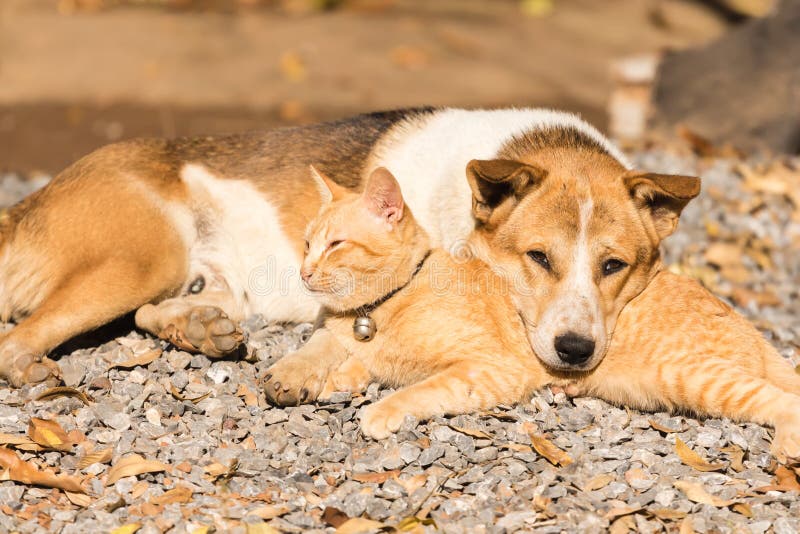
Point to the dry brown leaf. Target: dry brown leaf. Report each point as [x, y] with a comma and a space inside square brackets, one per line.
[250, 398]
[743, 508]
[667, 514]
[786, 478]
[736, 457]
[78, 499]
[412, 483]
[621, 511]
[376, 478]
[694, 460]
[141, 360]
[18, 470]
[334, 517]
[180, 495]
[516, 447]
[49, 435]
[697, 493]
[261, 528]
[64, 391]
[600, 481]
[547, 448]
[269, 511]
[133, 465]
[130, 528]
[415, 525]
[475, 433]
[662, 428]
[357, 525]
[686, 526]
[20, 442]
[293, 67]
[724, 254]
[622, 525]
[181, 397]
[96, 457]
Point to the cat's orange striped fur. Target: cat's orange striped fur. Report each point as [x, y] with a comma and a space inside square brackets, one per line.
[452, 340]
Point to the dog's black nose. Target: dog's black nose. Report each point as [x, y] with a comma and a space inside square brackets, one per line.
[574, 349]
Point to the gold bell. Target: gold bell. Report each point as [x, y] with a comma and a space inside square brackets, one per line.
[364, 328]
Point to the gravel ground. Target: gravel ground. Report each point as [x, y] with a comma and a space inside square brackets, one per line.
[247, 465]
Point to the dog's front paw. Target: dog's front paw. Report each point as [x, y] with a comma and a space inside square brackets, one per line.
[294, 380]
[27, 368]
[381, 420]
[786, 443]
[205, 329]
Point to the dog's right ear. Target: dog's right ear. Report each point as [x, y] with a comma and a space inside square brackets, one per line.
[494, 181]
[327, 188]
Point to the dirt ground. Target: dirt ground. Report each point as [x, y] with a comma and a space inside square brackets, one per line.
[72, 81]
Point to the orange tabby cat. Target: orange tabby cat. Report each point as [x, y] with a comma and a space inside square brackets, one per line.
[448, 335]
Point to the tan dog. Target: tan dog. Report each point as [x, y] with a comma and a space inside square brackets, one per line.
[450, 335]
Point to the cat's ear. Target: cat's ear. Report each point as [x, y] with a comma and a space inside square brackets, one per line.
[382, 196]
[328, 189]
[662, 196]
[494, 180]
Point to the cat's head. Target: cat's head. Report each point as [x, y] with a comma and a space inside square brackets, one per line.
[576, 236]
[360, 246]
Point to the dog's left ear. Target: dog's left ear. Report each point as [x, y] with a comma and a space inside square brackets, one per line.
[495, 180]
[663, 195]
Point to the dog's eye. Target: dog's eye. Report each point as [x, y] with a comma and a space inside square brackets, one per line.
[612, 266]
[539, 257]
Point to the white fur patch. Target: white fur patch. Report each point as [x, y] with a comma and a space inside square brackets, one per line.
[429, 159]
[244, 247]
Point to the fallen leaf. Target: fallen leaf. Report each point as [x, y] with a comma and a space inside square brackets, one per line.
[133, 465]
[662, 428]
[250, 398]
[261, 528]
[724, 254]
[130, 528]
[181, 397]
[667, 514]
[600, 481]
[96, 457]
[64, 391]
[357, 525]
[516, 447]
[269, 511]
[475, 433]
[743, 508]
[736, 455]
[622, 525]
[49, 435]
[18, 470]
[686, 526]
[334, 517]
[412, 483]
[180, 495]
[376, 478]
[621, 511]
[415, 524]
[141, 360]
[696, 493]
[20, 442]
[78, 499]
[694, 460]
[547, 449]
[786, 478]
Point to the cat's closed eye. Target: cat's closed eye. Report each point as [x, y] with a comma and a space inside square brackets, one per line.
[334, 244]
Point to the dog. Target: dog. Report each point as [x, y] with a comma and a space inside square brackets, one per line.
[195, 234]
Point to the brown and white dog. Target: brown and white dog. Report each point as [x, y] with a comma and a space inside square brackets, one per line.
[195, 234]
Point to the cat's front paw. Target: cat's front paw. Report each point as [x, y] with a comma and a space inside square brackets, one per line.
[381, 420]
[786, 443]
[294, 380]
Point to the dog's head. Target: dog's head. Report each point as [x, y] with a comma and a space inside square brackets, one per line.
[576, 236]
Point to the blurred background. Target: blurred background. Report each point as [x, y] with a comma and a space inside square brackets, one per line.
[77, 74]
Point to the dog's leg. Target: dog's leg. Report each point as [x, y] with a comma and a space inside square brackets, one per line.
[206, 322]
[460, 388]
[301, 376]
[82, 302]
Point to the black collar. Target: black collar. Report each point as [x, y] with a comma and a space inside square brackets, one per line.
[367, 309]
